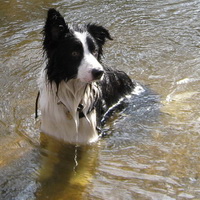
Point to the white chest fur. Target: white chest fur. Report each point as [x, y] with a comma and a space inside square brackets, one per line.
[59, 110]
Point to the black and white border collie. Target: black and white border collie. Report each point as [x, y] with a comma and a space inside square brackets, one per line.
[75, 90]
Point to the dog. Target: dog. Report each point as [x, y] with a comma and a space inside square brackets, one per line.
[75, 90]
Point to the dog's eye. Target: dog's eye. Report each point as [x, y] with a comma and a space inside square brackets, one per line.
[95, 53]
[61, 27]
[75, 54]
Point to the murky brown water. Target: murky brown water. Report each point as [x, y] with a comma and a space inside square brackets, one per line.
[147, 155]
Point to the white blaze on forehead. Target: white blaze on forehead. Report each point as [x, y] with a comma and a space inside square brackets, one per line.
[89, 61]
[83, 38]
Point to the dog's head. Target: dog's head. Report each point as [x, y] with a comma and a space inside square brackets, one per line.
[73, 51]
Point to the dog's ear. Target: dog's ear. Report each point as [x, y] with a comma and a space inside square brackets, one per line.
[55, 27]
[99, 33]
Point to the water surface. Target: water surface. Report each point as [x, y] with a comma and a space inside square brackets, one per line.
[148, 154]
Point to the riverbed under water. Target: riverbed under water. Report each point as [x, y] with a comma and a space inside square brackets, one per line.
[153, 149]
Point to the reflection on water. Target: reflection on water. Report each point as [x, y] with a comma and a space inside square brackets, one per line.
[65, 168]
[148, 154]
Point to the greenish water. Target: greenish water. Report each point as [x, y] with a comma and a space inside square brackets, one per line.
[147, 155]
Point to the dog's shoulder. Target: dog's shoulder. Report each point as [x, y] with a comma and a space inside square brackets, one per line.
[115, 85]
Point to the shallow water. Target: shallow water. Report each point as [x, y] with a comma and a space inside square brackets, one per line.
[148, 154]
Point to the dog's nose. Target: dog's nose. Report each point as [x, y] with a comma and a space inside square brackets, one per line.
[97, 74]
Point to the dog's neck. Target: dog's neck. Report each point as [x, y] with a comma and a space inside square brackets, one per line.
[76, 95]
[62, 105]
[71, 94]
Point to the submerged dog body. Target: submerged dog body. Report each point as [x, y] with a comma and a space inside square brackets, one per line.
[75, 89]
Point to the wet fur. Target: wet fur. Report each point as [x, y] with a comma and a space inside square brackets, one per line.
[74, 95]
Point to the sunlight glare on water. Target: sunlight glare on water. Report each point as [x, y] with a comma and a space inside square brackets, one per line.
[152, 151]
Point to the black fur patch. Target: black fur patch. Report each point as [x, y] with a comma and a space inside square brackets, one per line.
[64, 51]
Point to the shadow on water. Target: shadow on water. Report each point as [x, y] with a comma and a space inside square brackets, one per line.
[51, 170]
[66, 170]
[134, 114]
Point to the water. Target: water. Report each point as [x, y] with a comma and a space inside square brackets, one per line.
[148, 154]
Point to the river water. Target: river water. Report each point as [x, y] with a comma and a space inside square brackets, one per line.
[153, 149]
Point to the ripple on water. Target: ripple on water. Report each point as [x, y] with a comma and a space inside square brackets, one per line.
[149, 154]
